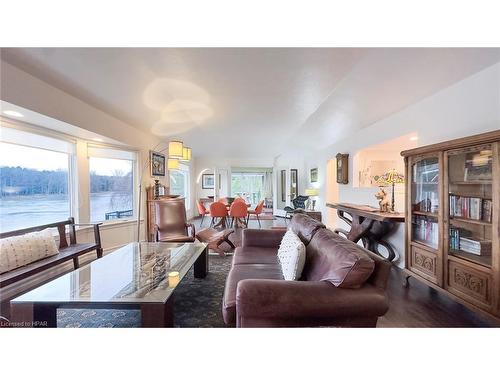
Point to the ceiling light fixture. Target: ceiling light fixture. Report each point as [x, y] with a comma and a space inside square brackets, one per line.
[186, 154]
[13, 113]
[175, 149]
[98, 139]
[173, 164]
[414, 138]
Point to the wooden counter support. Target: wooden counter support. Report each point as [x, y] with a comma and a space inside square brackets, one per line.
[368, 225]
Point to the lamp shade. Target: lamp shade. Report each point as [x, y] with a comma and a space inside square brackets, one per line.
[175, 149]
[173, 163]
[186, 153]
[312, 192]
[391, 177]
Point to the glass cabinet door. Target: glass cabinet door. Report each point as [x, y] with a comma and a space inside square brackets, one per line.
[425, 201]
[470, 203]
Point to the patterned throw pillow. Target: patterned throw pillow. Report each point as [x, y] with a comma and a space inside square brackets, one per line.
[292, 256]
[21, 250]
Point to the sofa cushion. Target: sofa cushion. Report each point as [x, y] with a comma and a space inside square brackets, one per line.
[291, 255]
[18, 251]
[332, 258]
[242, 272]
[255, 255]
[305, 227]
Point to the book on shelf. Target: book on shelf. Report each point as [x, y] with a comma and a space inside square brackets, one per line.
[460, 239]
[426, 230]
[470, 208]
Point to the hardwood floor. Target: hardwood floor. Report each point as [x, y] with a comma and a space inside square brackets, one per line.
[415, 306]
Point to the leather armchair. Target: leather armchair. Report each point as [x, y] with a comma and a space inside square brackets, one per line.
[171, 222]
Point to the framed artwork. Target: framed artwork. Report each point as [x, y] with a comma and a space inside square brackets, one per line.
[294, 184]
[314, 175]
[342, 171]
[207, 181]
[283, 185]
[157, 164]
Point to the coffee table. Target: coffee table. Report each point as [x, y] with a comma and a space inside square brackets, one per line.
[137, 276]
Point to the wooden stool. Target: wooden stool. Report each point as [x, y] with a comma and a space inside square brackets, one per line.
[215, 238]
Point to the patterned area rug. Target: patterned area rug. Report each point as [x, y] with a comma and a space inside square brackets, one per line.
[198, 303]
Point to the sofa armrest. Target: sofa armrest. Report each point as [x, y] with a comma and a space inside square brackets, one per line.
[280, 300]
[262, 237]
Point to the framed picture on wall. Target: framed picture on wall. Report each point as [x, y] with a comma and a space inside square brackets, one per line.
[283, 185]
[157, 164]
[314, 175]
[207, 181]
[342, 171]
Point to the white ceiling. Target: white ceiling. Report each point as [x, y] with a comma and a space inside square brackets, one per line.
[233, 102]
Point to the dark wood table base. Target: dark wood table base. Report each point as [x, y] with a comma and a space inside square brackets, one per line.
[369, 227]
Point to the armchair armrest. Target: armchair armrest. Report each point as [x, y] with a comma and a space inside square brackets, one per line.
[282, 300]
[262, 237]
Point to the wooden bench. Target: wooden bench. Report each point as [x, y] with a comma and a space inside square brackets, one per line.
[67, 251]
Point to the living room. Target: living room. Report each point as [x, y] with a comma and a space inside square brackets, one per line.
[287, 185]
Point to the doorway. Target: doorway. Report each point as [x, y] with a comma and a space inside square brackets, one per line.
[253, 186]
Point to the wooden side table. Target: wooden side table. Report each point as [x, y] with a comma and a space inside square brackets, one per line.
[368, 225]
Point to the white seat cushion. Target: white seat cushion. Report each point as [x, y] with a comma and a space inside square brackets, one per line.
[18, 251]
[292, 256]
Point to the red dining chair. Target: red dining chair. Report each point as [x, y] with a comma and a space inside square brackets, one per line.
[238, 210]
[202, 210]
[239, 199]
[257, 211]
[218, 210]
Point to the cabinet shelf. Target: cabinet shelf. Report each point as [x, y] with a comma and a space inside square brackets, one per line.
[425, 213]
[457, 220]
[483, 260]
[486, 182]
[424, 245]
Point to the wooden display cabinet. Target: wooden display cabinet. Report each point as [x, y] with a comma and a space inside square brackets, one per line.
[452, 219]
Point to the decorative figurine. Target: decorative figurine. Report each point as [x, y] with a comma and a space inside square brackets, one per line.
[384, 202]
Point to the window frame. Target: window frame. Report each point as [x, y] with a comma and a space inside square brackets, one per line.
[135, 181]
[72, 156]
[185, 170]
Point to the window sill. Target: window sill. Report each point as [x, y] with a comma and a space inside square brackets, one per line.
[113, 224]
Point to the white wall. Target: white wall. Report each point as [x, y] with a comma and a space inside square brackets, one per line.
[471, 106]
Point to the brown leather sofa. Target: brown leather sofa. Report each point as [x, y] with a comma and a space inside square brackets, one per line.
[342, 284]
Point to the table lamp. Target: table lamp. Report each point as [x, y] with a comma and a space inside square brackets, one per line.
[391, 177]
[312, 193]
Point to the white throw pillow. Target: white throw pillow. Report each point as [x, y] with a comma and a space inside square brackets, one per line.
[21, 250]
[292, 256]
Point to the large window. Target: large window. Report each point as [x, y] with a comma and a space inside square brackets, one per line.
[34, 179]
[111, 184]
[249, 186]
[179, 183]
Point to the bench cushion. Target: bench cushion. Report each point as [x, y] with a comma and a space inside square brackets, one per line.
[18, 251]
[64, 255]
